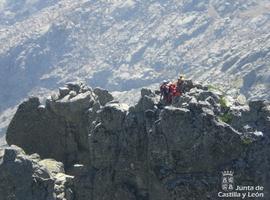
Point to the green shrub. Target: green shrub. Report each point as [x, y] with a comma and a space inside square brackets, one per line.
[246, 140]
[226, 117]
[223, 102]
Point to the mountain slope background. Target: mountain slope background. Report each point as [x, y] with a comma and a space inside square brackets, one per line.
[125, 45]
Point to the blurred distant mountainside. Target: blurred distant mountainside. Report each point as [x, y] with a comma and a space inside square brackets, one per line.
[127, 44]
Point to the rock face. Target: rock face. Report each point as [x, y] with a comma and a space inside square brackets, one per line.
[28, 177]
[59, 129]
[148, 151]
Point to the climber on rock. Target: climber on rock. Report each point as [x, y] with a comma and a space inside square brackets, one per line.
[179, 86]
[167, 91]
[164, 90]
[170, 92]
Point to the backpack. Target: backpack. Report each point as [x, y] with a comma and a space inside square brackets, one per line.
[164, 89]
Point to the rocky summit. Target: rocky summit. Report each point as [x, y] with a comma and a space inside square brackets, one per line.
[84, 145]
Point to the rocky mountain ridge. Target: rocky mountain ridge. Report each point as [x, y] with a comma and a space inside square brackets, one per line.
[143, 152]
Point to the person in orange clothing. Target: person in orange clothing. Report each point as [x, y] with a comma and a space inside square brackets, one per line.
[172, 92]
[179, 86]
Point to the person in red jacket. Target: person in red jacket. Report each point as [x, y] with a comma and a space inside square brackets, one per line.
[172, 92]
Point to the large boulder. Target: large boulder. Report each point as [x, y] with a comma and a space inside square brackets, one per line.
[103, 96]
[112, 116]
[251, 118]
[22, 177]
[184, 129]
[57, 130]
[37, 130]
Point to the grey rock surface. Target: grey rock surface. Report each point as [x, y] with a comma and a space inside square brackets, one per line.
[57, 130]
[149, 151]
[103, 96]
[22, 177]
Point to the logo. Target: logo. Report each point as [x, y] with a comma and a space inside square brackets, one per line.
[231, 190]
[227, 183]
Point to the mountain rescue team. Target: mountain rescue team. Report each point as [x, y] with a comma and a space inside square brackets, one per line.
[169, 90]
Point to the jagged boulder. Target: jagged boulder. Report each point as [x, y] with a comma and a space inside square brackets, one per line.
[183, 129]
[72, 100]
[37, 130]
[254, 117]
[71, 104]
[57, 130]
[112, 116]
[63, 91]
[22, 177]
[103, 96]
[187, 85]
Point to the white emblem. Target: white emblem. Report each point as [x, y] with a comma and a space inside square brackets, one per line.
[227, 181]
